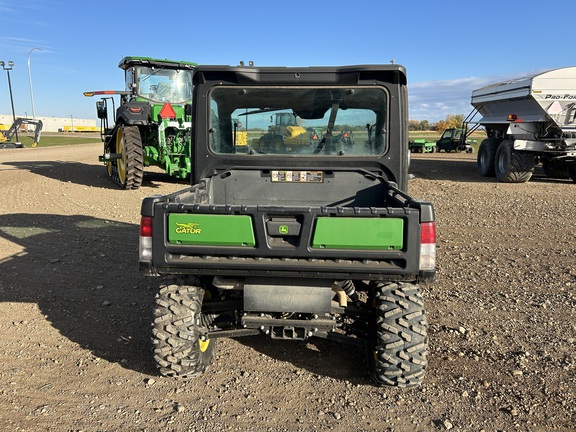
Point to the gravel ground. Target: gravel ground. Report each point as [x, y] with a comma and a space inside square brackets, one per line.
[75, 316]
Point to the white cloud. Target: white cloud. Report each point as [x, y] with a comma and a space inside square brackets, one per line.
[434, 100]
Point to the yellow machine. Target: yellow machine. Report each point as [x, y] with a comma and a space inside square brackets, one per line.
[6, 136]
[283, 134]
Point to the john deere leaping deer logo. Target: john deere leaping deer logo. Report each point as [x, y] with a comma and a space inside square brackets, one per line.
[188, 228]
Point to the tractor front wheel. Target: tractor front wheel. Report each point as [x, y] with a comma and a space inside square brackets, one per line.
[129, 169]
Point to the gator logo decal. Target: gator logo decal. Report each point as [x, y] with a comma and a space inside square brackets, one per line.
[188, 228]
[283, 229]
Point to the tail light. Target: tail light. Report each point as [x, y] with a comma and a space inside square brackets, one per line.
[145, 244]
[428, 246]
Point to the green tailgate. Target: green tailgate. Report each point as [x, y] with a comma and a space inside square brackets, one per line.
[358, 233]
[214, 230]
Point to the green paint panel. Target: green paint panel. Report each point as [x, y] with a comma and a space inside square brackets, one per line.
[156, 108]
[358, 233]
[210, 230]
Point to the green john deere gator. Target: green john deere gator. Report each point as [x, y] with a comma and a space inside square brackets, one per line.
[152, 124]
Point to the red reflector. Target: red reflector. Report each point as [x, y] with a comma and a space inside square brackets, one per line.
[136, 110]
[428, 233]
[146, 226]
[167, 111]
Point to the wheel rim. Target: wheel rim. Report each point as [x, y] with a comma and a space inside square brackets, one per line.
[110, 168]
[483, 158]
[503, 162]
[203, 345]
[121, 163]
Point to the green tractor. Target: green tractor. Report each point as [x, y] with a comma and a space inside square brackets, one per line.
[152, 124]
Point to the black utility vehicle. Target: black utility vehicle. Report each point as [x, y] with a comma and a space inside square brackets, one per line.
[307, 238]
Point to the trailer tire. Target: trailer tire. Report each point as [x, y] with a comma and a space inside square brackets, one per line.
[573, 173]
[399, 348]
[486, 157]
[513, 166]
[553, 170]
[129, 169]
[180, 351]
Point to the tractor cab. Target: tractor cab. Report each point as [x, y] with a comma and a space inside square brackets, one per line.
[285, 119]
[157, 81]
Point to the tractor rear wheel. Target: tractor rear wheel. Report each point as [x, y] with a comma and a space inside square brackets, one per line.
[181, 348]
[400, 343]
[130, 166]
[513, 166]
[487, 156]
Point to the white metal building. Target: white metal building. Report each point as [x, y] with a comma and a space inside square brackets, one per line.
[55, 124]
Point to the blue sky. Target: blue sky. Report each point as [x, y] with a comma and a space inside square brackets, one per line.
[448, 47]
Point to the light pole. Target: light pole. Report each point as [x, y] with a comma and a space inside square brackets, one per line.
[8, 69]
[30, 80]
[72, 121]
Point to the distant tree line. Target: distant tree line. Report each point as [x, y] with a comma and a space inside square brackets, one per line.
[451, 121]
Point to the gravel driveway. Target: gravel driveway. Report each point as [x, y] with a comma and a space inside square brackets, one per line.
[75, 316]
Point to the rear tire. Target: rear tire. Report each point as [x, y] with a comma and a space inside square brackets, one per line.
[181, 351]
[513, 166]
[399, 354]
[486, 157]
[573, 173]
[130, 166]
[553, 170]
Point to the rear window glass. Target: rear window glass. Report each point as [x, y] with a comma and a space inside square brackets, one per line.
[299, 121]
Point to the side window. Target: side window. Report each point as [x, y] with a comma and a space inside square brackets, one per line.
[214, 127]
[129, 79]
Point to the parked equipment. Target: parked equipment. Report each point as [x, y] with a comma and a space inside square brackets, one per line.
[528, 120]
[421, 145]
[283, 133]
[295, 241]
[455, 140]
[152, 124]
[5, 137]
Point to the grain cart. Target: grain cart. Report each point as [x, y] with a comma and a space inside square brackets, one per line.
[294, 242]
[528, 121]
[152, 124]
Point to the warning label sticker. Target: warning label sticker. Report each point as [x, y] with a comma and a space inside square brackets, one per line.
[297, 176]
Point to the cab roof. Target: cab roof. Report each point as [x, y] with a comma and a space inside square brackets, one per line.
[128, 62]
[307, 75]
